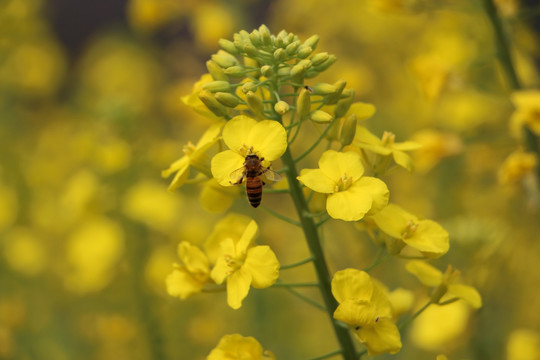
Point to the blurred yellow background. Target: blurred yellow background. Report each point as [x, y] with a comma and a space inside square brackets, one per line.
[90, 113]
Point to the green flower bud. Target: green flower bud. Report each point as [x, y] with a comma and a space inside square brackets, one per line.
[215, 86]
[311, 73]
[280, 54]
[305, 63]
[281, 107]
[255, 38]
[303, 51]
[325, 65]
[290, 38]
[298, 70]
[249, 87]
[212, 104]
[324, 89]
[255, 104]
[251, 51]
[333, 98]
[344, 104]
[312, 41]
[303, 104]
[321, 117]
[284, 71]
[235, 71]
[266, 71]
[348, 130]
[227, 99]
[216, 71]
[224, 59]
[292, 47]
[319, 58]
[265, 35]
[280, 43]
[228, 46]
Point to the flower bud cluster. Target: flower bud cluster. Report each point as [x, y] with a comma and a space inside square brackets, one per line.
[247, 68]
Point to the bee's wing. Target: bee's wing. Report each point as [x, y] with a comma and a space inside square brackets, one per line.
[271, 175]
[237, 175]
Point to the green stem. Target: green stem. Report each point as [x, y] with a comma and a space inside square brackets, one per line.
[326, 356]
[503, 51]
[298, 263]
[314, 145]
[305, 298]
[414, 316]
[379, 258]
[281, 217]
[312, 237]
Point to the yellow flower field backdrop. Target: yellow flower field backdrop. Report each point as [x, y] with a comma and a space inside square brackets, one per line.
[116, 201]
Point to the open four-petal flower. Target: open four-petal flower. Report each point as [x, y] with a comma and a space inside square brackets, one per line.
[243, 265]
[243, 135]
[350, 195]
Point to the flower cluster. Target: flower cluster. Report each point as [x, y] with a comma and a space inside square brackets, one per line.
[259, 94]
[238, 263]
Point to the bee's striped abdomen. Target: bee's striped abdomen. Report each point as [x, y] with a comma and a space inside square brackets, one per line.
[254, 190]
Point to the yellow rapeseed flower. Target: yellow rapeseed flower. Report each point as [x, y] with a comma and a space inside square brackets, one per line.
[527, 103]
[364, 304]
[189, 277]
[446, 286]
[426, 236]
[350, 195]
[385, 146]
[238, 347]
[195, 156]
[243, 265]
[243, 135]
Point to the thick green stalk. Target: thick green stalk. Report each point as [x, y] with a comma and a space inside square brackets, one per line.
[319, 261]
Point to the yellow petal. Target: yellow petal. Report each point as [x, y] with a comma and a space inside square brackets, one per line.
[269, 139]
[467, 293]
[382, 338]
[348, 205]
[378, 191]
[231, 226]
[215, 198]
[393, 220]
[407, 146]
[356, 313]
[248, 347]
[236, 132]
[180, 283]
[210, 135]
[220, 271]
[352, 284]
[362, 110]
[429, 237]
[403, 159]
[223, 164]
[427, 274]
[317, 181]
[262, 264]
[353, 203]
[246, 240]
[238, 287]
[335, 164]
[193, 258]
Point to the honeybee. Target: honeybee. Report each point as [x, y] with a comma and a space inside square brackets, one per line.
[253, 171]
